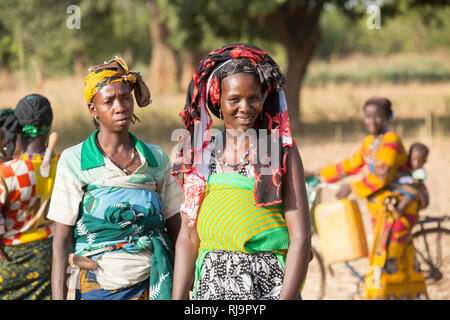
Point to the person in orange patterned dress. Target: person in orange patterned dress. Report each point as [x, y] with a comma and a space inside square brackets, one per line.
[393, 272]
[25, 244]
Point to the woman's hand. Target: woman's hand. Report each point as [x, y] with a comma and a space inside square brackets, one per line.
[344, 191]
[186, 254]
[3, 255]
[62, 247]
[311, 174]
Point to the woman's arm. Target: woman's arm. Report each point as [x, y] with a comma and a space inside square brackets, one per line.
[343, 169]
[296, 208]
[62, 247]
[185, 256]
[400, 208]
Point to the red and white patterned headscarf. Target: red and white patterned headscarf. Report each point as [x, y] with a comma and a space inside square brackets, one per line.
[203, 96]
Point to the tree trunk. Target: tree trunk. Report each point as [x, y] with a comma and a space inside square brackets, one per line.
[189, 65]
[298, 61]
[79, 67]
[6, 80]
[128, 56]
[39, 76]
[164, 66]
[295, 79]
[300, 35]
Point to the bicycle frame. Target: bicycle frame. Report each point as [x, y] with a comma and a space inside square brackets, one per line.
[433, 271]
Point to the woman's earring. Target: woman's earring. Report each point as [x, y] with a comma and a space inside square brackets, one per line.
[220, 116]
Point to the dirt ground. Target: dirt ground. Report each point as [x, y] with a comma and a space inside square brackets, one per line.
[73, 123]
[343, 285]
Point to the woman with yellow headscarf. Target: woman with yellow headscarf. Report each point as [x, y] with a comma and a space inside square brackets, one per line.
[115, 203]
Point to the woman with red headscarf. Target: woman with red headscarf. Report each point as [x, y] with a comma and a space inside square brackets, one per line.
[245, 232]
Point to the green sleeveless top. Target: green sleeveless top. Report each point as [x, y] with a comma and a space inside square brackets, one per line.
[229, 220]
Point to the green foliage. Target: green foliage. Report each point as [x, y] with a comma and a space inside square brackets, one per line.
[34, 28]
[38, 29]
[407, 32]
[35, 31]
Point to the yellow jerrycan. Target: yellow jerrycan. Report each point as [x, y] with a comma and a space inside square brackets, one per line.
[341, 231]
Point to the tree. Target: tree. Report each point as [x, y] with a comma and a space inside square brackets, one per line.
[293, 23]
[164, 66]
[41, 40]
[298, 29]
[26, 21]
[6, 45]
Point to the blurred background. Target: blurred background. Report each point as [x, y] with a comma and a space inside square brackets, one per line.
[336, 54]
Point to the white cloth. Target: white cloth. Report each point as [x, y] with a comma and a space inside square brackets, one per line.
[117, 270]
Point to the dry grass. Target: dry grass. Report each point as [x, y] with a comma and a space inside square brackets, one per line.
[327, 104]
[431, 66]
[330, 103]
[412, 100]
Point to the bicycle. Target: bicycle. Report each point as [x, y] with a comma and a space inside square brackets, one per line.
[429, 235]
[313, 186]
[428, 242]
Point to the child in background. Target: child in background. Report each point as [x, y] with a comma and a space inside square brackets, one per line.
[417, 157]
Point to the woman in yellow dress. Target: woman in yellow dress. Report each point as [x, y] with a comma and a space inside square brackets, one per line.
[393, 272]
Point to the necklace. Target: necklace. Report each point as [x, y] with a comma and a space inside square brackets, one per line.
[121, 167]
[236, 166]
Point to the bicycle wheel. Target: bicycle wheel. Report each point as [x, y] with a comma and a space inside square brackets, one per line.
[314, 288]
[433, 256]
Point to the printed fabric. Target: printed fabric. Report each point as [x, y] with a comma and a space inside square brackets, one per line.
[377, 161]
[116, 70]
[84, 164]
[231, 275]
[228, 220]
[393, 272]
[26, 275]
[127, 212]
[24, 199]
[90, 289]
[113, 215]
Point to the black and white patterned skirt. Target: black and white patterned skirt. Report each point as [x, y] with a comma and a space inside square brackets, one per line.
[231, 275]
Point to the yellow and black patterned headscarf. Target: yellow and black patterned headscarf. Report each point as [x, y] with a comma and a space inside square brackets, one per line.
[116, 70]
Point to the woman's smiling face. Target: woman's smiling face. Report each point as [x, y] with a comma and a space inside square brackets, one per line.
[241, 101]
[375, 119]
